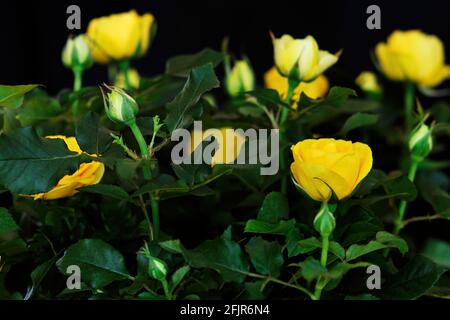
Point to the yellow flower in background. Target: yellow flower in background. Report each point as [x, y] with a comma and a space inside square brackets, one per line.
[87, 174]
[301, 58]
[133, 77]
[315, 89]
[240, 79]
[368, 82]
[324, 165]
[120, 36]
[413, 56]
[230, 144]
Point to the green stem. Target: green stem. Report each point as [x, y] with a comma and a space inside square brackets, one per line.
[77, 85]
[403, 204]
[409, 108]
[323, 261]
[147, 175]
[292, 84]
[165, 286]
[124, 66]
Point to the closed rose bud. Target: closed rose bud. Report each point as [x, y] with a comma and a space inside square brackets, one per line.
[368, 82]
[240, 79]
[119, 106]
[325, 166]
[120, 36]
[76, 53]
[421, 142]
[157, 269]
[301, 59]
[413, 56]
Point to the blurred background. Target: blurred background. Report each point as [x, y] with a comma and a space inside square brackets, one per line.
[34, 32]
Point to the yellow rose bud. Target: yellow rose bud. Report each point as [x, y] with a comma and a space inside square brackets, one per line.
[120, 36]
[133, 77]
[119, 106]
[225, 137]
[325, 166]
[301, 59]
[315, 89]
[421, 142]
[76, 53]
[87, 174]
[368, 82]
[240, 79]
[413, 56]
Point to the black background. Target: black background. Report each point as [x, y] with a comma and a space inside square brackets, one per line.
[33, 33]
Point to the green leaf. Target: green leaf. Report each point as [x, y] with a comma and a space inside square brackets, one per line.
[337, 250]
[183, 64]
[265, 255]
[38, 108]
[413, 280]
[38, 274]
[358, 120]
[275, 207]
[178, 276]
[30, 164]
[12, 96]
[92, 137]
[383, 240]
[312, 269]
[7, 223]
[201, 79]
[99, 262]
[306, 246]
[402, 186]
[267, 97]
[221, 254]
[337, 96]
[160, 91]
[439, 252]
[280, 228]
[108, 190]
[173, 246]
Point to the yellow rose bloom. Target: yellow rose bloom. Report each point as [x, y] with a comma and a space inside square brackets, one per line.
[226, 153]
[368, 82]
[301, 58]
[323, 166]
[315, 89]
[87, 174]
[413, 56]
[120, 36]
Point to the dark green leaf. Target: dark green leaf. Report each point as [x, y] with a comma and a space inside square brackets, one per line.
[439, 252]
[183, 64]
[275, 207]
[99, 262]
[12, 96]
[312, 269]
[265, 255]
[383, 240]
[38, 274]
[92, 137]
[7, 223]
[280, 228]
[358, 120]
[38, 108]
[179, 275]
[108, 190]
[30, 164]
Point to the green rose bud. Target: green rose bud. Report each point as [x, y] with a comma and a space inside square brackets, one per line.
[157, 269]
[240, 79]
[421, 142]
[324, 222]
[119, 106]
[76, 53]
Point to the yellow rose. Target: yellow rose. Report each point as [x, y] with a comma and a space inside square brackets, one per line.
[314, 89]
[325, 165]
[87, 174]
[368, 82]
[120, 36]
[301, 58]
[133, 77]
[226, 153]
[413, 56]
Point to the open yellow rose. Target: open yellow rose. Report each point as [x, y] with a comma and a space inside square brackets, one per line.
[230, 144]
[301, 58]
[413, 56]
[314, 89]
[120, 36]
[323, 166]
[87, 174]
